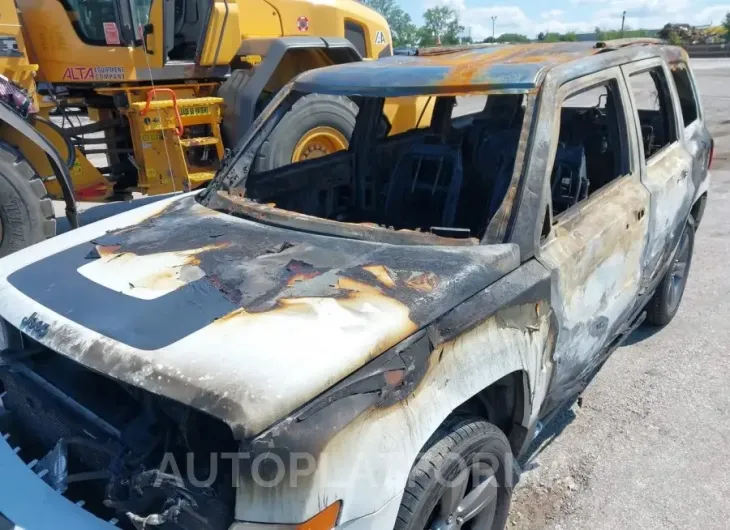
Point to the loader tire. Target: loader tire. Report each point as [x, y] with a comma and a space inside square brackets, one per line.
[26, 210]
[334, 116]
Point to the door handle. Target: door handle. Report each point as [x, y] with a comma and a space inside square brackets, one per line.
[683, 174]
[640, 214]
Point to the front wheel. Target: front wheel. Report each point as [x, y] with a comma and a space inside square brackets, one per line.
[463, 481]
[665, 302]
[317, 125]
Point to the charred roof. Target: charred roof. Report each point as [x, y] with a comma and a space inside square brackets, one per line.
[509, 68]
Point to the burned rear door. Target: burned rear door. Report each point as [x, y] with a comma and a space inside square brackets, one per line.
[598, 231]
[696, 137]
[666, 162]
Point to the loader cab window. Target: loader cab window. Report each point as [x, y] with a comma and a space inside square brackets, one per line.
[142, 12]
[355, 33]
[185, 23]
[97, 22]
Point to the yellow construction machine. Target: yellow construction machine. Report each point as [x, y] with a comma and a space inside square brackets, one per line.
[159, 89]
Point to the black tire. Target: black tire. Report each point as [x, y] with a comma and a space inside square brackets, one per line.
[460, 442]
[664, 304]
[308, 112]
[26, 211]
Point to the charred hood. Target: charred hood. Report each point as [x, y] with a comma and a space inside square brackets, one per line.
[243, 320]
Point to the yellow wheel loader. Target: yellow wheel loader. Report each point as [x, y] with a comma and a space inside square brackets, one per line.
[157, 90]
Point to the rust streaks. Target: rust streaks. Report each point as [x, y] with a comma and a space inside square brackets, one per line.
[424, 282]
[350, 284]
[107, 250]
[300, 271]
[302, 276]
[382, 274]
[240, 312]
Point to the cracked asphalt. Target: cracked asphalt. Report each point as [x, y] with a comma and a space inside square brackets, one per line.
[649, 446]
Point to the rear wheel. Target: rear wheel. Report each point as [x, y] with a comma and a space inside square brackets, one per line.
[317, 125]
[665, 302]
[26, 211]
[461, 482]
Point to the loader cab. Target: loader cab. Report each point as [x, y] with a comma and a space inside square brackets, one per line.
[159, 33]
[184, 26]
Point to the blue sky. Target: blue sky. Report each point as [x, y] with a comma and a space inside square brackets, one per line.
[531, 16]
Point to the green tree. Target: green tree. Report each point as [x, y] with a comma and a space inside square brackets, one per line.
[512, 37]
[551, 37]
[611, 34]
[402, 28]
[441, 23]
[568, 37]
[726, 25]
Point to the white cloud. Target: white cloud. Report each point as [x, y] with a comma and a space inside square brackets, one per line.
[553, 13]
[647, 14]
[712, 15]
[643, 9]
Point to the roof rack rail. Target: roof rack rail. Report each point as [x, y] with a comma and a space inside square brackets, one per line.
[622, 43]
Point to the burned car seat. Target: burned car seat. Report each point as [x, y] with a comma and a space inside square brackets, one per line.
[496, 161]
[490, 149]
[424, 186]
[569, 181]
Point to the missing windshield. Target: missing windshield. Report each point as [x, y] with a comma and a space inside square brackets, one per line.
[441, 167]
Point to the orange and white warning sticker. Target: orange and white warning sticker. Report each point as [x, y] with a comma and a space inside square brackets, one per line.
[111, 34]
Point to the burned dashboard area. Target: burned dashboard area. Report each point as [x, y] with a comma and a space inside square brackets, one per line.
[128, 456]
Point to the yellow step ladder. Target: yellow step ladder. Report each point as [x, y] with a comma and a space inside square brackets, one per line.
[177, 140]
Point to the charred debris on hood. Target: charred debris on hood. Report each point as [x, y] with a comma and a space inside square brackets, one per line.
[235, 271]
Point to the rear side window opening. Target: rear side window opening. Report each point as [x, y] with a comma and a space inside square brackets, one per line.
[655, 110]
[447, 177]
[686, 92]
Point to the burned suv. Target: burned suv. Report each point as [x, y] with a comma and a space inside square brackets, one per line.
[364, 340]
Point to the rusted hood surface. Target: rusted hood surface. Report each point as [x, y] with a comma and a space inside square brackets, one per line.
[242, 320]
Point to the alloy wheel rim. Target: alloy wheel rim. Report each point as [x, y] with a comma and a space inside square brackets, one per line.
[469, 502]
[678, 273]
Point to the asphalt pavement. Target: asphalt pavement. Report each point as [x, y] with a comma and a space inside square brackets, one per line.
[648, 448]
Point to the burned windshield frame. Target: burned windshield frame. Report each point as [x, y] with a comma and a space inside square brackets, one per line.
[238, 164]
[233, 178]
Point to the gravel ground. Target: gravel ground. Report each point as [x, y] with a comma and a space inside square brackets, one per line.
[648, 448]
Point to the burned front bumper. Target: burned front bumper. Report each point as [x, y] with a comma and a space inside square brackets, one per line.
[30, 504]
